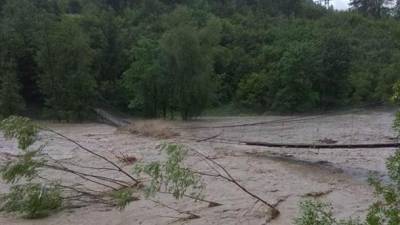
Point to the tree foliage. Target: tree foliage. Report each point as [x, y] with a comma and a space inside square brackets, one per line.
[374, 8]
[171, 176]
[66, 80]
[187, 69]
[34, 193]
[317, 213]
[11, 101]
[144, 82]
[162, 58]
[32, 200]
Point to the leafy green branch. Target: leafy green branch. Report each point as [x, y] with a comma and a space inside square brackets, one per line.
[41, 195]
[171, 176]
[33, 194]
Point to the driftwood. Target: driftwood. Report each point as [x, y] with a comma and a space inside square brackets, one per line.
[209, 138]
[216, 139]
[322, 146]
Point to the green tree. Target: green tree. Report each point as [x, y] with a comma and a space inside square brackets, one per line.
[297, 70]
[146, 87]
[387, 77]
[11, 101]
[254, 92]
[397, 9]
[65, 81]
[374, 8]
[105, 32]
[188, 68]
[20, 25]
[291, 7]
[231, 40]
[333, 83]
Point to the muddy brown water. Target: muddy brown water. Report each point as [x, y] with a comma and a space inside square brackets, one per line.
[287, 176]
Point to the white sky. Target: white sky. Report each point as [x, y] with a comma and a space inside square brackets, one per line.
[340, 4]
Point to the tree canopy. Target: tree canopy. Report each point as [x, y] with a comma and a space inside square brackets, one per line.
[163, 58]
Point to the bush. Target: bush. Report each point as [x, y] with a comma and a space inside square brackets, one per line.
[317, 213]
[387, 209]
[32, 200]
[171, 176]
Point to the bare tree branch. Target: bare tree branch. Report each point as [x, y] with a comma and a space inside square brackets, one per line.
[228, 177]
[92, 152]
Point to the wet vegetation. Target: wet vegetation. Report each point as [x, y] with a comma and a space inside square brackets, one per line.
[62, 59]
[161, 58]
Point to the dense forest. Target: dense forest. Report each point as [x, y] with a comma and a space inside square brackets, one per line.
[166, 58]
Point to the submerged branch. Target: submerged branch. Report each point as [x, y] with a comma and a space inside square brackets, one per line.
[93, 153]
[228, 177]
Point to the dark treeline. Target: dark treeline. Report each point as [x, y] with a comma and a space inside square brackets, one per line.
[158, 58]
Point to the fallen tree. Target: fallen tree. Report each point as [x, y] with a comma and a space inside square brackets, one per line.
[34, 193]
[322, 146]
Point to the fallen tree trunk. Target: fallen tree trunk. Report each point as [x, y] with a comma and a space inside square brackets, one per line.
[322, 146]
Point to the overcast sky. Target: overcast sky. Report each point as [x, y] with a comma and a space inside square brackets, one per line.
[340, 4]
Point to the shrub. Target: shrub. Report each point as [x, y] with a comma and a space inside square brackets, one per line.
[32, 200]
[253, 92]
[317, 213]
[171, 176]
